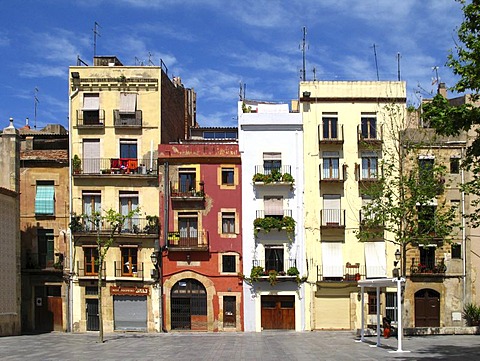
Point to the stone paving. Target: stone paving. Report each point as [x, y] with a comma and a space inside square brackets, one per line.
[274, 345]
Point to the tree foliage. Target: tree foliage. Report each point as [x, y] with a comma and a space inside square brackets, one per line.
[112, 221]
[401, 208]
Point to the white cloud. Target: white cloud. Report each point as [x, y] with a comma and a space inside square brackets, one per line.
[30, 70]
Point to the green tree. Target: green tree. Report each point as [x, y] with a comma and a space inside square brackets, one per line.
[112, 221]
[451, 119]
[401, 208]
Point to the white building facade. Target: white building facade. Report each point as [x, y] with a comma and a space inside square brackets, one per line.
[274, 263]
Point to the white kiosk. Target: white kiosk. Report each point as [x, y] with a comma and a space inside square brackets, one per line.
[377, 284]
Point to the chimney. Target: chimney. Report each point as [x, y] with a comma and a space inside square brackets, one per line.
[442, 90]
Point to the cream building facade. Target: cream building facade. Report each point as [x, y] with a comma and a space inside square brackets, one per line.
[344, 138]
[118, 116]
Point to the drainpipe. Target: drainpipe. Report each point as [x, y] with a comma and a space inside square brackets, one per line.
[70, 237]
[166, 188]
[464, 251]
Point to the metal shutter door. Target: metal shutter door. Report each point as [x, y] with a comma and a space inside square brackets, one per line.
[130, 313]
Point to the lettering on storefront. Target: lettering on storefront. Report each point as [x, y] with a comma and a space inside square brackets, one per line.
[129, 291]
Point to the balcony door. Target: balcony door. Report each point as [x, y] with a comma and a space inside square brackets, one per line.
[91, 156]
[274, 258]
[188, 229]
[187, 178]
[331, 209]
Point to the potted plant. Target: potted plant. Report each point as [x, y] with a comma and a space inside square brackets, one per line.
[76, 164]
[471, 314]
[256, 273]
[293, 271]
[272, 277]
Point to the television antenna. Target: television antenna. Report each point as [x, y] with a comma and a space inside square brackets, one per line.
[304, 47]
[398, 65]
[376, 63]
[95, 33]
[35, 104]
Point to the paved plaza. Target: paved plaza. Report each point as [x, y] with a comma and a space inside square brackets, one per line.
[321, 345]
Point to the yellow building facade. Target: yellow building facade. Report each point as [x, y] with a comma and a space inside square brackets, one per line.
[344, 138]
[118, 116]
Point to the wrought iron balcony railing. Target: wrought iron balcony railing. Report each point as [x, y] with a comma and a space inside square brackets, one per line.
[134, 271]
[428, 266]
[138, 226]
[332, 218]
[187, 190]
[116, 166]
[331, 135]
[281, 266]
[127, 120]
[91, 118]
[191, 239]
[351, 272]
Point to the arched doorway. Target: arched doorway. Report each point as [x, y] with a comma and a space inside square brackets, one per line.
[188, 305]
[427, 308]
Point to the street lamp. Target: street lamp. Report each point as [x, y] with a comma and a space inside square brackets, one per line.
[396, 271]
[154, 259]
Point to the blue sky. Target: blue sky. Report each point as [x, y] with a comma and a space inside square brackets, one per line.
[214, 45]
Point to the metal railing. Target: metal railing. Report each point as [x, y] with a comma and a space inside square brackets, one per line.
[370, 138]
[131, 226]
[91, 118]
[428, 266]
[117, 166]
[136, 271]
[348, 273]
[281, 266]
[261, 214]
[332, 136]
[127, 120]
[332, 175]
[283, 169]
[333, 218]
[41, 261]
[187, 189]
[188, 239]
[82, 271]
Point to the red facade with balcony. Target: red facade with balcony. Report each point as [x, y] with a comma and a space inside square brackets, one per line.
[200, 236]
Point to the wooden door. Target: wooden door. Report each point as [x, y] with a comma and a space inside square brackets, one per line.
[229, 311]
[427, 308]
[55, 308]
[278, 312]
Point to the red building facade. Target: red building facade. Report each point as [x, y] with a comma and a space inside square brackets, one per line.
[200, 237]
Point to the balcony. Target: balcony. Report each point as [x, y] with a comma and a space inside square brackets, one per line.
[368, 221]
[192, 240]
[334, 175]
[187, 191]
[429, 267]
[89, 271]
[127, 120]
[135, 226]
[351, 272]
[115, 167]
[368, 139]
[91, 119]
[334, 136]
[42, 261]
[332, 218]
[273, 175]
[280, 266]
[268, 222]
[134, 274]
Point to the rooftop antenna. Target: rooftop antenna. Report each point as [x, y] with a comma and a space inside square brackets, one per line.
[304, 47]
[437, 79]
[35, 103]
[314, 73]
[149, 59]
[240, 91]
[398, 65]
[95, 33]
[376, 63]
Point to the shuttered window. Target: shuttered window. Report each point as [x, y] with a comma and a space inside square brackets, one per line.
[45, 198]
[128, 102]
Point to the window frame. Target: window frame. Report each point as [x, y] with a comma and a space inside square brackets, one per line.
[232, 262]
[91, 259]
[368, 127]
[129, 259]
[329, 127]
[44, 206]
[228, 222]
[230, 174]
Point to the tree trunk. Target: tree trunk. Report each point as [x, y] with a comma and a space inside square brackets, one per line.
[100, 308]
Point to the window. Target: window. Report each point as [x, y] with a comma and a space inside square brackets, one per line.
[454, 165]
[228, 222]
[369, 128]
[188, 228]
[128, 103]
[129, 261]
[187, 180]
[91, 108]
[91, 260]
[219, 135]
[46, 253]
[228, 176]
[129, 203]
[372, 303]
[229, 263]
[128, 149]
[330, 165]
[273, 206]
[330, 128]
[272, 161]
[45, 198]
[456, 251]
[391, 305]
[369, 166]
[425, 167]
[91, 204]
[427, 257]
[426, 219]
[274, 258]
